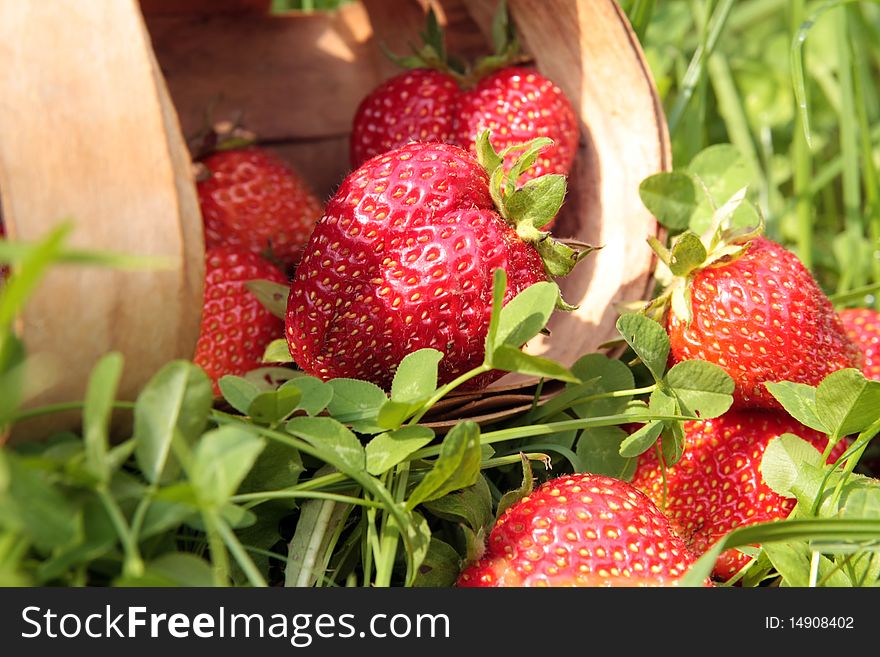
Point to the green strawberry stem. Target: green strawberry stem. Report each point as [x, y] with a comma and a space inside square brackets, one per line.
[530, 207]
[690, 253]
[220, 136]
[133, 565]
[259, 497]
[549, 428]
[441, 392]
[852, 456]
[432, 52]
[562, 401]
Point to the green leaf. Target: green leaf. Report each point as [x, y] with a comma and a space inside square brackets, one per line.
[221, 460]
[648, 339]
[416, 377]
[440, 567]
[499, 287]
[238, 392]
[641, 440]
[863, 501]
[13, 370]
[687, 254]
[471, 506]
[356, 403]
[847, 402]
[100, 396]
[270, 377]
[388, 449]
[704, 390]
[315, 394]
[537, 202]
[525, 489]
[559, 257]
[524, 161]
[799, 400]
[272, 295]
[599, 452]
[277, 351]
[511, 359]
[164, 515]
[486, 154]
[607, 374]
[173, 569]
[792, 562]
[393, 414]
[457, 466]
[269, 407]
[783, 462]
[96, 541]
[502, 29]
[526, 314]
[417, 540]
[670, 197]
[278, 466]
[787, 531]
[672, 442]
[719, 172]
[598, 375]
[35, 260]
[36, 507]
[335, 443]
[175, 403]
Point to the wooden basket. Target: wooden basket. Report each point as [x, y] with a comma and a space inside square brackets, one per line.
[97, 138]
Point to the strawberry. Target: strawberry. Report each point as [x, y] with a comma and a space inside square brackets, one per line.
[404, 259]
[756, 312]
[863, 327]
[518, 104]
[236, 328]
[251, 199]
[717, 485]
[434, 102]
[581, 530]
[417, 105]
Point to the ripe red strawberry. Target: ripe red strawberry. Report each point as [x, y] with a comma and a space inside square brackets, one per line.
[251, 199]
[863, 327]
[717, 485]
[236, 327]
[435, 103]
[418, 105]
[404, 258]
[581, 530]
[518, 104]
[762, 317]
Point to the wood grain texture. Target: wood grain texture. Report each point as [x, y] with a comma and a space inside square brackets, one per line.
[292, 76]
[88, 133]
[154, 7]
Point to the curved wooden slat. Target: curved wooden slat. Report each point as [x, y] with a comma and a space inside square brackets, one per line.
[89, 133]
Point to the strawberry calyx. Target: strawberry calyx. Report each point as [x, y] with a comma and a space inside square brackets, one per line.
[532, 205]
[689, 253]
[432, 53]
[225, 135]
[506, 44]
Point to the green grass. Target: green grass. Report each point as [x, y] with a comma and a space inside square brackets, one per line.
[793, 84]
